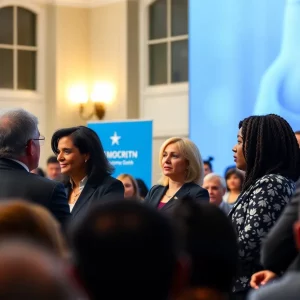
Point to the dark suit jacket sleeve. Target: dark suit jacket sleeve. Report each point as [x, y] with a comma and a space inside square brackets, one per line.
[59, 204]
[114, 190]
[279, 249]
[202, 195]
[149, 194]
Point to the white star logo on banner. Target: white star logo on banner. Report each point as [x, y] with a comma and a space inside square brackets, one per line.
[115, 139]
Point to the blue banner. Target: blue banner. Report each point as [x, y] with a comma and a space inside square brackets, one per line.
[128, 147]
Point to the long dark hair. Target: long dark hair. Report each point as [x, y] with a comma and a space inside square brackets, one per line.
[269, 147]
[87, 141]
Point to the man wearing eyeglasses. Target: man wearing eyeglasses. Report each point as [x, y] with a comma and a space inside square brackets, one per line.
[20, 142]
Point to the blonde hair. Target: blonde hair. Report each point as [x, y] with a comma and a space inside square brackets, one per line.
[136, 193]
[190, 152]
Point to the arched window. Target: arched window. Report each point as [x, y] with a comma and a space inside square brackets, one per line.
[167, 42]
[18, 48]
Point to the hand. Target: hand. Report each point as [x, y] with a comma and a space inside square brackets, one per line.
[261, 278]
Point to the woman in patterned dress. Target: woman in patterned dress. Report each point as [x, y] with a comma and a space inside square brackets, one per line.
[268, 152]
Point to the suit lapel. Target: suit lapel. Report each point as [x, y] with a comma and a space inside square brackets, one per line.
[182, 192]
[84, 197]
[159, 195]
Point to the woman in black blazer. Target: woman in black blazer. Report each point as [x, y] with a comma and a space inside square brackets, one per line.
[81, 157]
[182, 169]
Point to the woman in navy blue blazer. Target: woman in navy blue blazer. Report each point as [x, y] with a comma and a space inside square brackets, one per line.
[182, 175]
[82, 159]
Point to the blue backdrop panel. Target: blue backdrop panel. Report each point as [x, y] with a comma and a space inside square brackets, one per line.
[128, 146]
[232, 44]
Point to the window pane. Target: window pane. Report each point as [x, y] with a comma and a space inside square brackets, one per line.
[158, 19]
[6, 69]
[26, 27]
[26, 70]
[180, 61]
[179, 13]
[6, 25]
[158, 64]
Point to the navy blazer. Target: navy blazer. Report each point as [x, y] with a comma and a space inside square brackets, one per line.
[192, 189]
[16, 182]
[97, 189]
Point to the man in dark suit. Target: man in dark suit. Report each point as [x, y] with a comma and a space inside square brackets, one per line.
[19, 154]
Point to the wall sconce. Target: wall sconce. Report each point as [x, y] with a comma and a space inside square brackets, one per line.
[102, 94]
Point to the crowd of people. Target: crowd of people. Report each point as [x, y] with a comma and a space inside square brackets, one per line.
[76, 232]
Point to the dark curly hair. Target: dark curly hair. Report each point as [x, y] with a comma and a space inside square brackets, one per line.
[269, 147]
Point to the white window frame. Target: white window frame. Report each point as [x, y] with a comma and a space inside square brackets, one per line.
[40, 54]
[146, 88]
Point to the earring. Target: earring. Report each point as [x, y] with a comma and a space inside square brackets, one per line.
[85, 161]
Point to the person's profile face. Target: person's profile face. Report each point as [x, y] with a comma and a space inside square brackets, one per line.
[239, 157]
[71, 161]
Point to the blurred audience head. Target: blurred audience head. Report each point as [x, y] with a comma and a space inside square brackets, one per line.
[216, 187]
[180, 160]
[53, 168]
[211, 242]
[80, 151]
[131, 189]
[234, 179]
[28, 271]
[297, 134]
[266, 145]
[30, 221]
[143, 189]
[208, 165]
[19, 137]
[38, 171]
[128, 246]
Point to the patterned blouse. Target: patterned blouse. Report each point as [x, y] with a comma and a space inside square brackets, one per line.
[253, 215]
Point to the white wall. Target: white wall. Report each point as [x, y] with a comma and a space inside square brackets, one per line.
[86, 42]
[166, 105]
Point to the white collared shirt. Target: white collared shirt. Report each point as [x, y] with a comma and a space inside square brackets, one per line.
[82, 184]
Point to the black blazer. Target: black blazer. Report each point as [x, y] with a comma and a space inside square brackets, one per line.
[96, 189]
[16, 182]
[279, 250]
[156, 193]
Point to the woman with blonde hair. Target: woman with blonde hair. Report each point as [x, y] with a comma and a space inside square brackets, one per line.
[182, 175]
[131, 189]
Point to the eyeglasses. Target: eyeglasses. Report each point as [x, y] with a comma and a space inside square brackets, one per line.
[41, 140]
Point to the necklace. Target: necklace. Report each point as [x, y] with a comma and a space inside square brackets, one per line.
[168, 196]
[74, 197]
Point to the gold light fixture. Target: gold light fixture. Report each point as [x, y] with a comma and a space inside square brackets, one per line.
[102, 94]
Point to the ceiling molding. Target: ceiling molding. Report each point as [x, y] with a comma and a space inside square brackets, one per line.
[78, 3]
